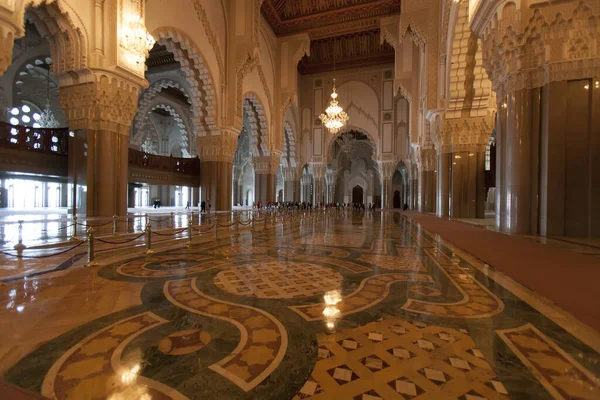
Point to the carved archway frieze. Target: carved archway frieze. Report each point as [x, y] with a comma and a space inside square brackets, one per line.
[198, 76]
[550, 46]
[255, 122]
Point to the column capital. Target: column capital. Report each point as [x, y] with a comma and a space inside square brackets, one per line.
[266, 164]
[469, 134]
[289, 173]
[318, 169]
[528, 48]
[107, 102]
[220, 146]
[387, 168]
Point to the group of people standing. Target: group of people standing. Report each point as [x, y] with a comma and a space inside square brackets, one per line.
[291, 205]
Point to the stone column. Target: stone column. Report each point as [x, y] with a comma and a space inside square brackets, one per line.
[104, 108]
[265, 178]
[235, 184]
[519, 135]
[444, 160]
[289, 183]
[216, 168]
[318, 176]
[387, 169]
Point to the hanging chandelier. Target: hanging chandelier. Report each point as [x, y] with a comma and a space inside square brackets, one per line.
[47, 118]
[334, 117]
[136, 38]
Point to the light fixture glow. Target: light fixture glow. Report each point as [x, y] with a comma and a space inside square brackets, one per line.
[14, 121]
[14, 111]
[25, 108]
[25, 118]
[136, 38]
[334, 117]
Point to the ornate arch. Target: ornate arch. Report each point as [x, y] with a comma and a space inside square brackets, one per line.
[288, 157]
[198, 76]
[255, 122]
[171, 108]
[150, 94]
[67, 36]
[347, 129]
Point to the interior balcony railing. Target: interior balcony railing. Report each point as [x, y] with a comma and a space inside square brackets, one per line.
[187, 166]
[46, 140]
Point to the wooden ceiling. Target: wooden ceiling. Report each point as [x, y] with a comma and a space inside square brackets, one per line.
[353, 23]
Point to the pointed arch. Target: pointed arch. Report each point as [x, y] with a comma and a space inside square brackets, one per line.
[198, 76]
[255, 122]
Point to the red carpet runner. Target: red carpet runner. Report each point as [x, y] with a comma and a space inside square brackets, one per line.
[570, 280]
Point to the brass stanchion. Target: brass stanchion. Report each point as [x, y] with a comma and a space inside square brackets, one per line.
[74, 232]
[148, 231]
[189, 243]
[91, 256]
[115, 225]
[19, 247]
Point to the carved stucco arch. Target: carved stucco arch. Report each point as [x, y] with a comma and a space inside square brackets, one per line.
[149, 95]
[346, 129]
[288, 157]
[198, 76]
[175, 110]
[61, 26]
[255, 122]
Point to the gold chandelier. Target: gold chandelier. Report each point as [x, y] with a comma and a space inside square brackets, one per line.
[334, 117]
[136, 38]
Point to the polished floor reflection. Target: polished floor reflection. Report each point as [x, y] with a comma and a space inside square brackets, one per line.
[324, 305]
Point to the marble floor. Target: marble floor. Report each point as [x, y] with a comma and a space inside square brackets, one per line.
[320, 305]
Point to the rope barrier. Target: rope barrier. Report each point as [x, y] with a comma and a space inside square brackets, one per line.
[58, 229]
[46, 255]
[94, 226]
[228, 226]
[170, 234]
[122, 241]
[203, 231]
[245, 223]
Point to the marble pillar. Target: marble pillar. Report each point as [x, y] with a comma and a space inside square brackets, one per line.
[422, 190]
[107, 169]
[430, 190]
[444, 160]
[468, 180]
[519, 155]
[215, 181]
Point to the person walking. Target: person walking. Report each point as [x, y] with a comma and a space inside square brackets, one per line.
[203, 207]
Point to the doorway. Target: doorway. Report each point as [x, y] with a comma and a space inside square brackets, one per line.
[357, 195]
[397, 199]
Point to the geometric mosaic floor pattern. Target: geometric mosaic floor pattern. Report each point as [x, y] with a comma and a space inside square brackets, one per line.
[348, 305]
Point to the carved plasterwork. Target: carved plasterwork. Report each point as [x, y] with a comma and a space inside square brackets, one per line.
[244, 66]
[106, 104]
[387, 168]
[547, 48]
[266, 164]
[210, 34]
[318, 170]
[204, 99]
[468, 134]
[68, 42]
[220, 147]
[148, 96]
[255, 123]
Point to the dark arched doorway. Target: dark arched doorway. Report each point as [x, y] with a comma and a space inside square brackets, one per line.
[397, 199]
[357, 195]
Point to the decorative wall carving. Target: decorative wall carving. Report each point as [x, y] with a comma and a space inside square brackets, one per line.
[220, 147]
[210, 34]
[255, 122]
[523, 56]
[204, 99]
